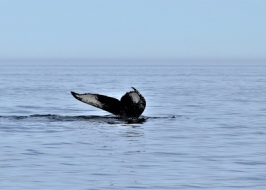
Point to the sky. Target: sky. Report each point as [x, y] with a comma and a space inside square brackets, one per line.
[132, 29]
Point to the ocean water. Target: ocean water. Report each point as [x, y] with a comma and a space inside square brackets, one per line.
[204, 127]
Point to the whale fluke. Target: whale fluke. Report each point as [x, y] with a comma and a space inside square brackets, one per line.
[132, 104]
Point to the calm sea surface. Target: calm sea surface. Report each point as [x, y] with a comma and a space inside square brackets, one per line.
[204, 128]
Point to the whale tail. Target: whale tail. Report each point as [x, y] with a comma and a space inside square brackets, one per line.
[106, 103]
[132, 104]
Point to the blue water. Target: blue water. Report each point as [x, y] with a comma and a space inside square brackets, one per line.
[204, 127]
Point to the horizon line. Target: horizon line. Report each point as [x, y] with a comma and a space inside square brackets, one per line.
[172, 60]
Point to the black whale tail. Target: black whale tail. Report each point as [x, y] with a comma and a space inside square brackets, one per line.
[132, 104]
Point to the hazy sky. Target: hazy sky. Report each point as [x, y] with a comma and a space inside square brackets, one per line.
[132, 29]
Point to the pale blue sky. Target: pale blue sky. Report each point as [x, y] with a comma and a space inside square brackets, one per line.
[106, 29]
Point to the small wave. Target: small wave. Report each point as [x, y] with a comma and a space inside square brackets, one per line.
[107, 119]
